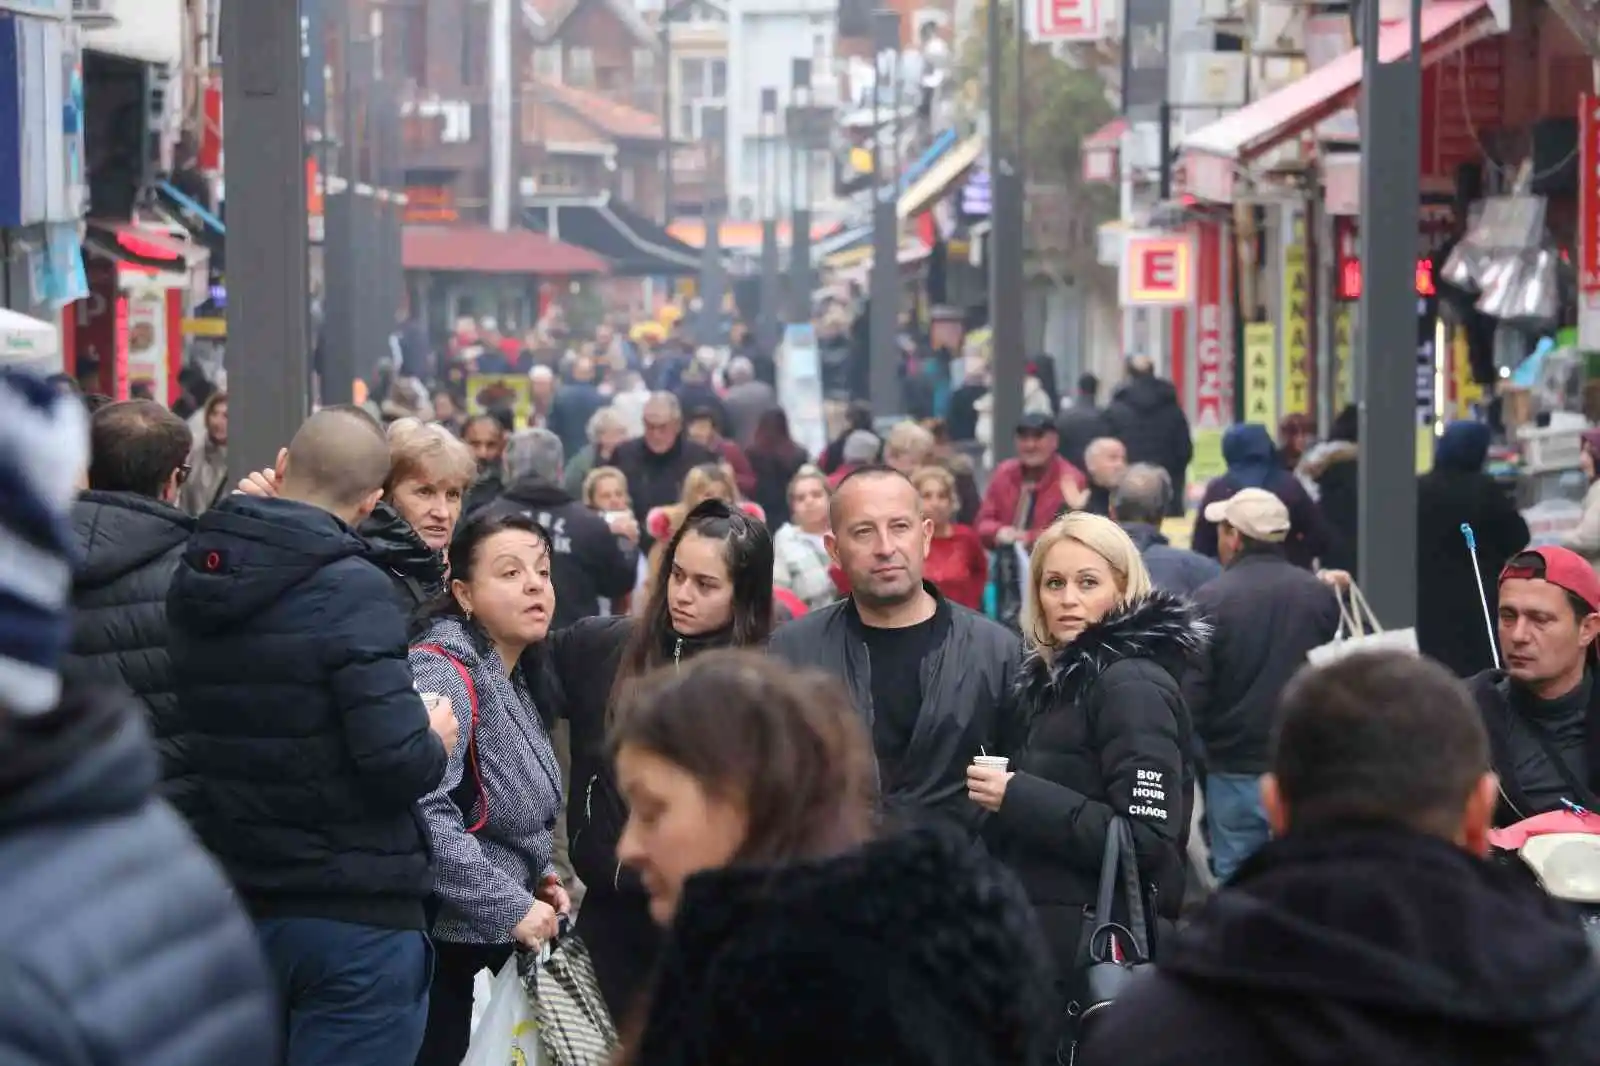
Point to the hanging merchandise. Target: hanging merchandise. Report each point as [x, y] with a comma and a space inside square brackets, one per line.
[1497, 284]
[1536, 301]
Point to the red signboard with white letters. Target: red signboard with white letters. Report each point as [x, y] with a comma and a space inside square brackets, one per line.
[1588, 194]
[1212, 408]
[1065, 20]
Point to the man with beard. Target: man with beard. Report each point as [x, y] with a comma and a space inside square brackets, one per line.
[932, 679]
[486, 435]
[1107, 461]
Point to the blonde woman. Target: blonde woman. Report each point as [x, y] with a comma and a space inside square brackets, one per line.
[1106, 736]
[802, 561]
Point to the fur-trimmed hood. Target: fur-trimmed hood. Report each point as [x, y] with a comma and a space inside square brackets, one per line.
[1161, 627]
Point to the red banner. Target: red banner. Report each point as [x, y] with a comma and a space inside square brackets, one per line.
[1588, 194]
[1210, 361]
[1462, 97]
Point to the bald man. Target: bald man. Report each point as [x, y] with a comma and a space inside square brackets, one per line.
[656, 463]
[1105, 461]
[305, 747]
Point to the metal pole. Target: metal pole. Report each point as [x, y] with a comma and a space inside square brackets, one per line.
[771, 286]
[666, 122]
[1390, 115]
[714, 129]
[1007, 364]
[884, 286]
[502, 151]
[264, 128]
[800, 194]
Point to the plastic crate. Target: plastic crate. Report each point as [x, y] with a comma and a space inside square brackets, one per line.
[1550, 449]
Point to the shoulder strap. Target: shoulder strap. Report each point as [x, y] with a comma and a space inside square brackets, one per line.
[472, 744]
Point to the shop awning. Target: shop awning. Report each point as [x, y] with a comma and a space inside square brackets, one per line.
[481, 250]
[1447, 27]
[634, 246]
[940, 178]
[29, 343]
[843, 241]
[144, 246]
[737, 236]
[1107, 136]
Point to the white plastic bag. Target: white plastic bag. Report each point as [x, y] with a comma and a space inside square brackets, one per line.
[507, 1035]
[1359, 630]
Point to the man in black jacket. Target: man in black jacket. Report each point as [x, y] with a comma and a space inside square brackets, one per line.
[656, 463]
[1371, 930]
[1267, 613]
[309, 746]
[130, 536]
[1543, 710]
[932, 679]
[120, 941]
[1145, 415]
[588, 562]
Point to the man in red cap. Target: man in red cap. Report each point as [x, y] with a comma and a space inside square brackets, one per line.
[1543, 710]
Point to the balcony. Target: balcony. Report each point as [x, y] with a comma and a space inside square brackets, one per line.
[446, 133]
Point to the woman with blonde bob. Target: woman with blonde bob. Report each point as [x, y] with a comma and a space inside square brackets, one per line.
[1104, 735]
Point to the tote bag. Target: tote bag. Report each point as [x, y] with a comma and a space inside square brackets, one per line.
[1359, 631]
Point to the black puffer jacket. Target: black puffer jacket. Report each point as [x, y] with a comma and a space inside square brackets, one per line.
[1365, 946]
[415, 570]
[1107, 733]
[309, 744]
[967, 697]
[656, 480]
[914, 949]
[120, 942]
[1146, 417]
[129, 547]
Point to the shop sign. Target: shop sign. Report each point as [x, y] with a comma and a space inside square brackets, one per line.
[1343, 346]
[1210, 364]
[1347, 265]
[1157, 271]
[1261, 375]
[1296, 318]
[1052, 21]
[429, 204]
[1588, 194]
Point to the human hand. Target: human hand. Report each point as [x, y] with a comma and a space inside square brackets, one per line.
[1075, 495]
[263, 483]
[1336, 579]
[986, 785]
[442, 720]
[537, 926]
[624, 525]
[553, 892]
[1006, 535]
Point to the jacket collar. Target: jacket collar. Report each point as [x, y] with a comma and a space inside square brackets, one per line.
[1162, 627]
[852, 616]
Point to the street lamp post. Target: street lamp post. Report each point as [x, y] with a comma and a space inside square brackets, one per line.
[714, 122]
[1387, 491]
[800, 192]
[771, 291]
[884, 285]
[1007, 364]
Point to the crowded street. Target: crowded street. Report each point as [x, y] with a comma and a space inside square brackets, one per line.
[699, 534]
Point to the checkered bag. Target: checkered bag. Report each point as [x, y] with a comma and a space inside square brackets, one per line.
[575, 1028]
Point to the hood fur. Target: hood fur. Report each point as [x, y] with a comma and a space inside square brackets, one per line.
[1162, 627]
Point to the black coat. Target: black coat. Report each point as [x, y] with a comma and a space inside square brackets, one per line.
[657, 480]
[589, 562]
[1105, 734]
[1338, 478]
[120, 941]
[1365, 946]
[1449, 617]
[1511, 748]
[415, 571]
[914, 949]
[1146, 417]
[1079, 425]
[310, 746]
[1266, 614]
[773, 474]
[967, 698]
[129, 547]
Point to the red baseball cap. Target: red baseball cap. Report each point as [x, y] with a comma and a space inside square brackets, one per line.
[1562, 567]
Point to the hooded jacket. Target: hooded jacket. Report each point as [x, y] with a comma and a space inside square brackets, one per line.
[966, 696]
[1144, 414]
[1174, 570]
[590, 563]
[1253, 463]
[913, 949]
[415, 570]
[129, 547]
[1365, 946]
[1105, 733]
[309, 745]
[120, 941]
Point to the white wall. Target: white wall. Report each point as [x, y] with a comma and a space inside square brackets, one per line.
[150, 31]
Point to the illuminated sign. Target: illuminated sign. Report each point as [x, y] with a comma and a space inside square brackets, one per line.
[1157, 271]
[431, 203]
[1350, 277]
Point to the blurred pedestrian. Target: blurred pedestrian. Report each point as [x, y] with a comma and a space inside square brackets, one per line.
[207, 481]
[1139, 505]
[1144, 414]
[776, 459]
[656, 463]
[957, 563]
[800, 545]
[1025, 494]
[1253, 464]
[747, 400]
[1082, 421]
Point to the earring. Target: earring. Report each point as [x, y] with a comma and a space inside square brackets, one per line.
[468, 611]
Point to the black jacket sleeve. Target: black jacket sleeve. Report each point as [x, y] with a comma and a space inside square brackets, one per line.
[615, 569]
[396, 753]
[1134, 727]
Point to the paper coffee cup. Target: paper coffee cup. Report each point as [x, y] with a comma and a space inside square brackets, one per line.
[430, 700]
[999, 761]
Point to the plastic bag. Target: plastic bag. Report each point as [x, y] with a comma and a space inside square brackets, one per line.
[508, 1034]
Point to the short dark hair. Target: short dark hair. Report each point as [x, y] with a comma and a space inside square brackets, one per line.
[703, 414]
[134, 446]
[1088, 384]
[1378, 737]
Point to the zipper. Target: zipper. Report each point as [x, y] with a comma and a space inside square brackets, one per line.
[677, 655]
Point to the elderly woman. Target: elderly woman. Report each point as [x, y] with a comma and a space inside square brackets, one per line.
[607, 429]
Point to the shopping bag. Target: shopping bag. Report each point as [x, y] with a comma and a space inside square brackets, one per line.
[575, 1028]
[1359, 631]
[508, 1034]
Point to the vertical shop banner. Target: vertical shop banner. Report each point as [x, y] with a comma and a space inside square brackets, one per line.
[1144, 57]
[1296, 317]
[1343, 353]
[147, 340]
[1468, 393]
[1261, 375]
[1589, 194]
[1461, 97]
[1211, 366]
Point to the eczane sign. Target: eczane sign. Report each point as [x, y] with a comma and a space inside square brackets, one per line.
[1158, 270]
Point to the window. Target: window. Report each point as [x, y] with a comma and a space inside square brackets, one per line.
[685, 126]
[719, 79]
[580, 67]
[547, 63]
[692, 79]
[644, 66]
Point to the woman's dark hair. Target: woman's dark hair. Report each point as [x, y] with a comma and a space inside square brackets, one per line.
[463, 553]
[858, 415]
[786, 744]
[771, 435]
[747, 551]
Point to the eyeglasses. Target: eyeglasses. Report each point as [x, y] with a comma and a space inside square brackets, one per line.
[183, 473]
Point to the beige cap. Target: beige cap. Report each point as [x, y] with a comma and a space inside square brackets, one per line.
[1256, 513]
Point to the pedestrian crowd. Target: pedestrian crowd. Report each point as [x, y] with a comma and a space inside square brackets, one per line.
[860, 756]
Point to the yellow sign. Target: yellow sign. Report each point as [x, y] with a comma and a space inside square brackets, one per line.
[1468, 391]
[1296, 323]
[1207, 461]
[1424, 448]
[1261, 375]
[1343, 355]
[487, 392]
[205, 327]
